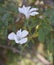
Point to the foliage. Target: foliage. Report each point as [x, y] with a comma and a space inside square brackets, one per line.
[40, 29]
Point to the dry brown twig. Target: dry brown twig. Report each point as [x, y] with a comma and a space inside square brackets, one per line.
[39, 56]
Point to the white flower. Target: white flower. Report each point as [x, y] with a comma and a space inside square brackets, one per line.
[19, 37]
[28, 11]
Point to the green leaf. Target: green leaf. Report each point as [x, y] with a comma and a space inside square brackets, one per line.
[2, 10]
[41, 36]
[49, 41]
[49, 13]
[46, 27]
[5, 16]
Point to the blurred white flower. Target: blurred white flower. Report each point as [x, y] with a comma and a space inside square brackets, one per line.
[28, 11]
[19, 37]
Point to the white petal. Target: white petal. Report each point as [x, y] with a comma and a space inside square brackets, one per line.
[11, 36]
[24, 33]
[16, 39]
[21, 10]
[25, 11]
[34, 13]
[24, 40]
[23, 6]
[18, 33]
[28, 8]
[33, 9]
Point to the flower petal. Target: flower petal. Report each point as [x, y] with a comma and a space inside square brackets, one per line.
[24, 7]
[34, 13]
[21, 10]
[24, 33]
[28, 8]
[24, 10]
[33, 9]
[11, 36]
[22, 41]
[18, 33]
[16, 39]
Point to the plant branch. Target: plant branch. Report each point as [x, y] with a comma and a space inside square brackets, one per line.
[39, 58]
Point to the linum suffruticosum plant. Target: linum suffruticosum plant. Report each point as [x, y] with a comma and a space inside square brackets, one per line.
[20, 36]
[24, 34]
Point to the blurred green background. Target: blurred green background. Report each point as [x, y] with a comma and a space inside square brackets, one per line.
[41, 33]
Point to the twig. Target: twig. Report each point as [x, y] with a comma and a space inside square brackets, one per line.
[10, 48]
[39, 56]
[16, 51]
[43, 60]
